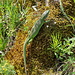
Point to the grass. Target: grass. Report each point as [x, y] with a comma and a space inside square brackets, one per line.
[10, 20]
[63, 50]
[12, 17]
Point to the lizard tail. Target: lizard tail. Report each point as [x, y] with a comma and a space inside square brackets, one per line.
[24, 53]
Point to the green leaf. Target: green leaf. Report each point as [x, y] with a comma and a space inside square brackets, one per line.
[1, 41]
[65, 67]
[73, 73]
[26, 28]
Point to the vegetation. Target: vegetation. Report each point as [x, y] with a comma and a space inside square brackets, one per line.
[6, 68]
[10, 21]
[12, 17]
[51, 51]
[64, 51]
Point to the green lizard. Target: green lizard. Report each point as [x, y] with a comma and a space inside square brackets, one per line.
[62, 10]
[34, 31]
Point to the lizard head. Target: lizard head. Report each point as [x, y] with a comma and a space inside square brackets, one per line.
[45, 14]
